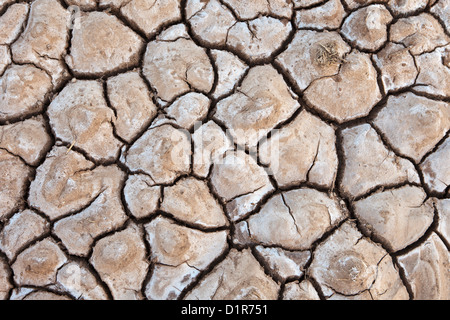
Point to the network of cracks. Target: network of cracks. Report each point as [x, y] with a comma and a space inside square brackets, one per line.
[224, 149]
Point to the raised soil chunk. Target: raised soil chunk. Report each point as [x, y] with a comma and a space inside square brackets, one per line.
[102, 44]
[294, 219]
[397, 67]
[427, 269]
[179, 254]
[103, 213]
[300, 291]
[190, 200]
[78, 280]
[38, 265]
[347, 264]
[14, 177]
[443, 210]
[312, 55]
[23, 91]
[27, 139]
[230, 70]
[422, 33]
[257, 106]
[327, 16]
[366, 27]
[442, 10]
[436, 168]
[162, 152]
[413, 124]
[132, 103]
[284, 264]
[369, 164]
[11, 22]
[210, 21]
[149, 16]
[240, 195]
[5, 59]
[120, 260]
[303, 150]
[142, 196]
[238, 277]
[175, 67]
[434, 72]
[398, 216]
[4, 3]
[21, 229]
[348, 95]
[80, 116]
[258, 39]
[45, 39]
[210, 143]
[250, 10]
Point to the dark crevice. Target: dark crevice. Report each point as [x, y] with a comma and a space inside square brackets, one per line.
[386, 187]
[216, 74]
[403, 278]
[443, 239]
[430, 96]
[76, 211]
[441, 22]
[258, 205]
[30, 244]
[389, 147]
[190, 225]
[105, 235]
[86, 264]
[281, 291]
[46, 233]
[269, 15]
[23, 26]
[45, 289]
[9, 275]
[265, 266]
[151, 264]
[302, 100]
[311, 6]
[423, 239]
[379, 77]
[98, 162]
[204, 273]
[317, 287]
[250, 61]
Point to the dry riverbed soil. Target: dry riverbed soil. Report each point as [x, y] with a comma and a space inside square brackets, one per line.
[225, 149]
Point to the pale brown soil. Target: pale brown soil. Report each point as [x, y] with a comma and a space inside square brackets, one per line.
[224, 149]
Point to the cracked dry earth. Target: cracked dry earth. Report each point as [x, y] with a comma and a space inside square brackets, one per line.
[224, 149]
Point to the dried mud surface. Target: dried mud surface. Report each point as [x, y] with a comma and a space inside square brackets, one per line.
[224, 149]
